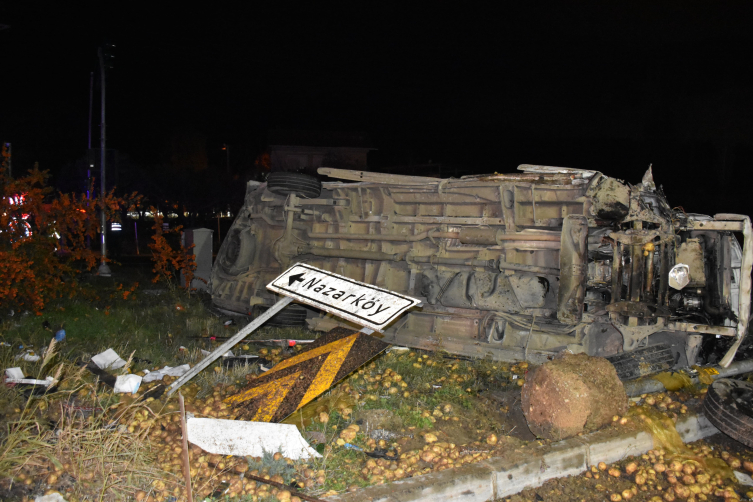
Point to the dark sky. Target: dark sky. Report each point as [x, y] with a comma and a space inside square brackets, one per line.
[611, 86]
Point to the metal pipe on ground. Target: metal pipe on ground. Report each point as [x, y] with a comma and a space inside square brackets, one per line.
[648, 385]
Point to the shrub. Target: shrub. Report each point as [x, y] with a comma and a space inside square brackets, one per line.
[43, 238]
[169, 261]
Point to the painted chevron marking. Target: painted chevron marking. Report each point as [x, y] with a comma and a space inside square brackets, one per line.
[296, 381]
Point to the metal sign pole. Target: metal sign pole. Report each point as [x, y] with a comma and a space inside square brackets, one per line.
[274, 309]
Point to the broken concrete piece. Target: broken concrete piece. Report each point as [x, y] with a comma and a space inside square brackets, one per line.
[233, 437]
[127, 384]
[571, 394]
[108, 359]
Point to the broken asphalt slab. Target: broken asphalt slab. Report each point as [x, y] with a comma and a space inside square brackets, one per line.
[501, 477]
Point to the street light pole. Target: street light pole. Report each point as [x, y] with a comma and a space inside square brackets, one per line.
[103, 270]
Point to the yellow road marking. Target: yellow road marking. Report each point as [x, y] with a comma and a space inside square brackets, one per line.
[310, 354]
[329, 369]
[276, 391]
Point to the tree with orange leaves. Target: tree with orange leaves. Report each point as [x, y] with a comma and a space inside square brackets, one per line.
[169, 261]
[43, 238]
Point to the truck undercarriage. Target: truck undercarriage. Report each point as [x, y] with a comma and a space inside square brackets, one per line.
[509, 266]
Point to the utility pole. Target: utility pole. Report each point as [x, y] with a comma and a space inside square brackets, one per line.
[91, 95]
[89, 156]
[103, 270]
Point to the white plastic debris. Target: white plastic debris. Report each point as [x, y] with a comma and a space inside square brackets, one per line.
[679, 276]
[108, 359]
[14, 373]
[29, 355]
[234, 437]
[166, 371]
[52, 497]
[743, 478]
[127, 384]
[30, 381]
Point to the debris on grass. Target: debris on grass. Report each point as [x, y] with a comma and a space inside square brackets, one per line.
[166, 371]
[235, 437]
[14, 373]
[109, 359]
[127, 384]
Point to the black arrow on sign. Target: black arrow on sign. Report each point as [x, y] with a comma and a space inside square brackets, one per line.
[295, 278]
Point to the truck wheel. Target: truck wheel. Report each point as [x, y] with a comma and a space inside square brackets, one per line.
[302, 185]
[238, 251]
[642, 362]
[290, 316]
[729, 406]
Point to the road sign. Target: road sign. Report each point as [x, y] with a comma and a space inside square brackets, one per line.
[295, 381]
[361, 303]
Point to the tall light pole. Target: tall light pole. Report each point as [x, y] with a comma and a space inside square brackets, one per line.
[103, 270]
[89, 156]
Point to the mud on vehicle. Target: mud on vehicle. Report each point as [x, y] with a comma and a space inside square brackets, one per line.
[509, 266]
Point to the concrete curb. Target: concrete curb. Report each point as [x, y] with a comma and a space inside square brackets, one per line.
[501, 477]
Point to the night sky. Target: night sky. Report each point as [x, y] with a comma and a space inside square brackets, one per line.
[610, 86]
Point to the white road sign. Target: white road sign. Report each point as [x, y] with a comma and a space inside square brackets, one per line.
[361, 303]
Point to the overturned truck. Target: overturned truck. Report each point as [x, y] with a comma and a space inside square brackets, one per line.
[509, 266]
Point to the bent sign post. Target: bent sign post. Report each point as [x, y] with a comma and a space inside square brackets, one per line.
[364, 304]
[355, 301]
[272, 311]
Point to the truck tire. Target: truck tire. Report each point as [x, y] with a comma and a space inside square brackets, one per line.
[238, 251]
[729, 406]
[290, 316]
[302, 185]
[642, 362]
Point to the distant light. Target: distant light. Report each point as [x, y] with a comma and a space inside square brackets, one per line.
[116, 227]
